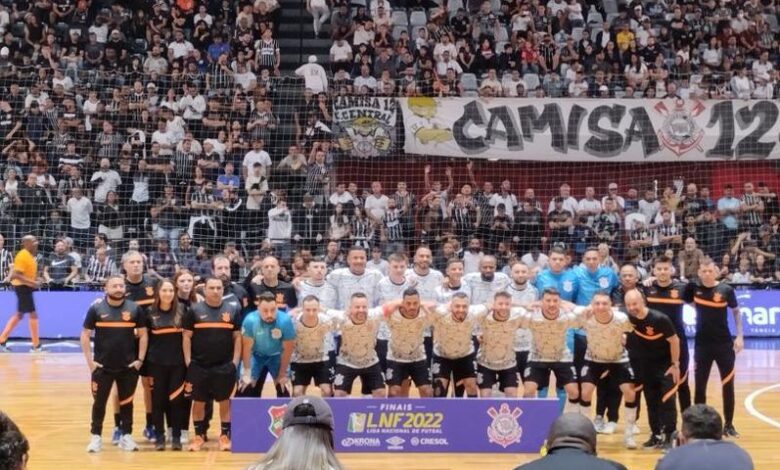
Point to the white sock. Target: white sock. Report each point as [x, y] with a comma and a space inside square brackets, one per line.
[630, 414]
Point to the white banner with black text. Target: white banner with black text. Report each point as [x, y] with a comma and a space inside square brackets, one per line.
[592, 130]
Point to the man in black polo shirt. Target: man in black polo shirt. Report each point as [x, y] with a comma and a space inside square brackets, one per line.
[212, 349]
[656, 364]
[268, 281]
[220, 268]
[666, 295]
[140, 289]
[712, 300]
[115, 321]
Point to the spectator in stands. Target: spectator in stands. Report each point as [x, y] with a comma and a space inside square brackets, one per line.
[313, 73]
[61, 269]
[80, 209]
[162, 264]
[701, 444]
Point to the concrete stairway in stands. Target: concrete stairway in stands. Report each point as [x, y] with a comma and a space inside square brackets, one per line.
[295, 34]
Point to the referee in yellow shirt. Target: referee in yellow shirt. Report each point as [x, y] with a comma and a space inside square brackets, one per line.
[23, 280]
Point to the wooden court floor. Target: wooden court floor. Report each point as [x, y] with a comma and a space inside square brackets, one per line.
[48, 396]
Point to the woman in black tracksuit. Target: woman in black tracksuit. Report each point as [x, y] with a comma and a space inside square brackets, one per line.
[165, 363]
[184, 281]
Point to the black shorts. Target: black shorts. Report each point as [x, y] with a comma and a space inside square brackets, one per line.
[506, 378]
[418, 371]
[302, 373]
[205, 383]
[539, 373]
[24, 299]
[620, 372]
[459, 369]
[345, 376]
[522, 362]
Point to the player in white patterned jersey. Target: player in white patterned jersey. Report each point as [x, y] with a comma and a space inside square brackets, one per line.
[482, 286]
[523, 294]
[390, 288]
[454, 354]
[357, 356]
[343, 282]
[453, 282]
[310, 357]
[406, 351]
[496, 361]
[549, 351]
[605, 329]
[426, 281]
[315, 285]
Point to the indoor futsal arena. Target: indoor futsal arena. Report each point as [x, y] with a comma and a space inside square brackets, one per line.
[376, 234]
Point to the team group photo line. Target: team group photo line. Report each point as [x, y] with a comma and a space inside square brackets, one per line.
[604, 336]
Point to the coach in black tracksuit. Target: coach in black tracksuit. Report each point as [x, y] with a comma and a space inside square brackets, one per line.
[117, 359]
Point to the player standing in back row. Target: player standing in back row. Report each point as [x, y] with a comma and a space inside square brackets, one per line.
[712, 300]
[666, 295]
[23, 280]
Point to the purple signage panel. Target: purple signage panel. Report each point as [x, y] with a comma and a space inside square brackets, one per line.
[61, 313]
[452, 425]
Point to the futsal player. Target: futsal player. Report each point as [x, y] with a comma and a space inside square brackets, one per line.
[666, 296]
[310, 361]
[426, 280]
[165, 364]
[212, 350]
[23, 280]
[523, 295]
[550, 352]
[314, 285]
[655, 359]
[483, 285]
[117, 358]
[454, 352]
[496, 362]
[357, 356]
[140, 289]
[268, 341]
[406, 358]
[453, 281]
[605, 329]
[712, 300]
[390, 288]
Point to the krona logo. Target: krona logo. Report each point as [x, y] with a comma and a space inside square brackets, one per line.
[276, 413]
[505, 430]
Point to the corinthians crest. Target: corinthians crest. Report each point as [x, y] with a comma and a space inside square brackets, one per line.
[505, 430]
[679, 132]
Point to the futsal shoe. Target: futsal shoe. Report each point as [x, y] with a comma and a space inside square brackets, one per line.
[4, 348]
[653, 442]
[149, 433]
[37, 350]
[115, 436]
[609, 428]
[95, 444]
[224, 443]
[628, 440]
[127, 443]
[598, 424]
[185, 437]
[196, 444]
[729, 431]
[176, 444]
[159, 443]
[667, 444]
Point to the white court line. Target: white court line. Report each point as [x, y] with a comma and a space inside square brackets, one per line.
[752, 409]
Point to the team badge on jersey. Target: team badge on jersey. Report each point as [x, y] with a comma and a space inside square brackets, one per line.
[126, 315]
[603, 282]
[649, 330]
[149, 291]
[276, 413]
[505, 430]
[276, 333]
[568, 286]
[716, 297]
[226, 317]
[674, 293]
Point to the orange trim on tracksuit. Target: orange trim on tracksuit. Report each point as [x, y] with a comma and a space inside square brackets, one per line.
[664, 300]
[670, 393]
[709, 303]
[164, 331]
[648, 337]
[115, 324]
[228, 326]
[176, 392]
[728, 378]
[144, 302]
